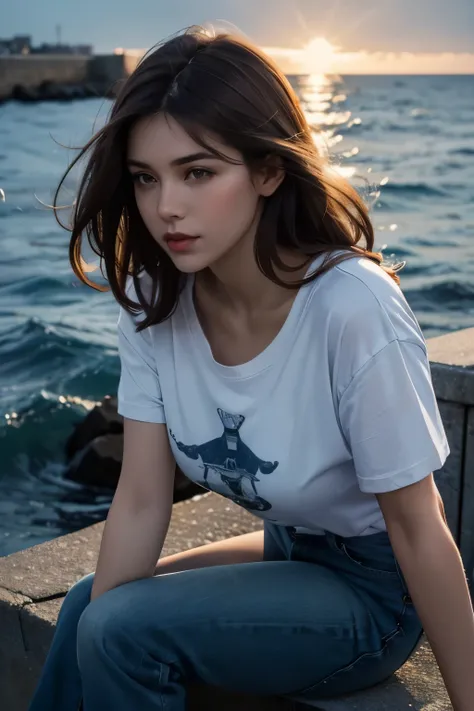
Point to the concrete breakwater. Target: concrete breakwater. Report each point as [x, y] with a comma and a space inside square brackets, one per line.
[42, 77]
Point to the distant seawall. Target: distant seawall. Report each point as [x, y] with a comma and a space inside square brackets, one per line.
[27, 74]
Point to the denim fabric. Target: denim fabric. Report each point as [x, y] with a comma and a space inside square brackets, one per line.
[319, 617]
[389, 630]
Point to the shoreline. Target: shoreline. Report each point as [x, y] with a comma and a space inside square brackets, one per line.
[45, 77]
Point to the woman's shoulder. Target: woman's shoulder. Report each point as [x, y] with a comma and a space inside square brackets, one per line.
[358, 297]
[362, 277]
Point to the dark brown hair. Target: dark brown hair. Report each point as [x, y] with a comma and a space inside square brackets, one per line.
[225, 87]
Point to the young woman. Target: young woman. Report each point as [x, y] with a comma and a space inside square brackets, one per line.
[268, 352]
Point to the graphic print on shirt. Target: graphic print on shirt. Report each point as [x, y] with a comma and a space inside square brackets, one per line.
[233, 462]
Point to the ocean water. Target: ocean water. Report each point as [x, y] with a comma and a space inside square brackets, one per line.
[406, 142]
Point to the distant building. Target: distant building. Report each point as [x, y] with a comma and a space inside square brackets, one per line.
[23, 45]
[81, 49]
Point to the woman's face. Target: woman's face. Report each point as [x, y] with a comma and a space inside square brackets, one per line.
[181, 189]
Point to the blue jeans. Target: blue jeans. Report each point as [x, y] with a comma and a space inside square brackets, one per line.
[319, 617]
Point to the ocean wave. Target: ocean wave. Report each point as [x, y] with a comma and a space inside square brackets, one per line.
[46, 289]
[404, 102]
[34, 336]
[432, 241]
[37, 503]
[36, 284]
[363, 127]
[413, 189]
[446, 295]
[419, 268]
[37, 358]
[462, 152]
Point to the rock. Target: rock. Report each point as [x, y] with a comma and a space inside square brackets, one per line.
[103, 419]
[95, 449]
[67, 92]
[90, 91]
[23, 93]
[54, 91]
[48, 90]
[99, 463]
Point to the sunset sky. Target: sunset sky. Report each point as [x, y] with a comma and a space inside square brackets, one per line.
[340, 36]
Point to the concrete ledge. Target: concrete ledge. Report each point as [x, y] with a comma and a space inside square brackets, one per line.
[34, 581]
[452, 366]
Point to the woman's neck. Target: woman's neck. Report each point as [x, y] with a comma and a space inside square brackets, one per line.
[239, 284]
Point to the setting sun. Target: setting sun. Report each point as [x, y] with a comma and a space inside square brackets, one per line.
[318, 56]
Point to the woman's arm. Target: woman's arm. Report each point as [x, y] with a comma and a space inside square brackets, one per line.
[246, 548]
[434, 572]
[140, 513]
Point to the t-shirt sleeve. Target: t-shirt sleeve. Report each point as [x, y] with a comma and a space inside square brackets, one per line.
[139, 393]
[391, 421]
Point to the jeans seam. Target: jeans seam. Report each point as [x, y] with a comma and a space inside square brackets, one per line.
[342, 550]
[384, 640]
[382, 573]
[160, 687]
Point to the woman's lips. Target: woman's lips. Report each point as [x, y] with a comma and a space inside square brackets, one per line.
[180, 242]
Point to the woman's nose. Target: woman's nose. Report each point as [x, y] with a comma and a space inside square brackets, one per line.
[170, 205]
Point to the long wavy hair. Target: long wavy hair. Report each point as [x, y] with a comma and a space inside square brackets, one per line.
[223, 86]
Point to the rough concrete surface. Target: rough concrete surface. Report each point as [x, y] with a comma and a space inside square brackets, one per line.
[452, 366]
[453, 348]
[49, 569]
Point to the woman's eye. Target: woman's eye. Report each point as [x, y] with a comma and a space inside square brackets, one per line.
[147, 179]
[142, 178]
[199, 173]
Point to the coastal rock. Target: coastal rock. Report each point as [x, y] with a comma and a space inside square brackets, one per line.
[53, 91]
[102, 419]
[26, 94]
[99, 463]
[94, 452]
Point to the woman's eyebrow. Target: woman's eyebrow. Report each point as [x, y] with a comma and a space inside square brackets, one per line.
[177, 161]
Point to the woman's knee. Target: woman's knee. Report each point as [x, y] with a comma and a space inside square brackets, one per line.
[82, 588]
[104, 624]
[79, 595]
[119, 617]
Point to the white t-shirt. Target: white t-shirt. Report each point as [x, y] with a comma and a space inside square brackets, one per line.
[339, 407]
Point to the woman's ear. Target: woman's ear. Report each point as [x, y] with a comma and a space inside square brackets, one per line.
[269, 176]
